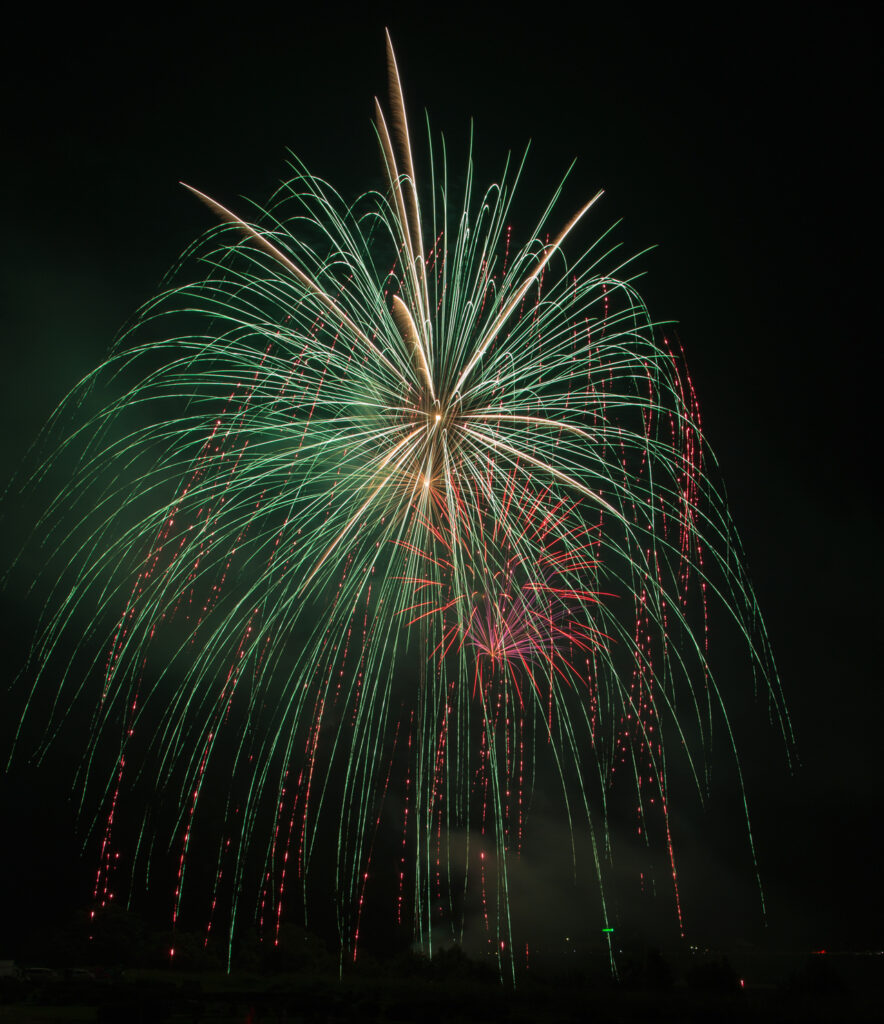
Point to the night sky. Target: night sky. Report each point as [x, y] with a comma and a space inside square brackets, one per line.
[742, 150]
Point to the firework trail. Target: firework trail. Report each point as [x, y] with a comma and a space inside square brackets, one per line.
[383, 501]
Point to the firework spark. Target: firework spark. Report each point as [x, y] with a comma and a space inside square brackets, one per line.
[379, 499]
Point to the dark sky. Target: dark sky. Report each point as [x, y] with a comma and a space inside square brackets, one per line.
[742, 148]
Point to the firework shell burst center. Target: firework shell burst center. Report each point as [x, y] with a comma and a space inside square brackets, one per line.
[374, 508]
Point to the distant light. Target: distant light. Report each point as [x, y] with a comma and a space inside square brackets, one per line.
[607, 929]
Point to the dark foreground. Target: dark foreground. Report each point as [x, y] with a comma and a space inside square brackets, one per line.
[831, 988]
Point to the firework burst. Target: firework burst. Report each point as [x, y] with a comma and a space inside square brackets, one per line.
[380, 499]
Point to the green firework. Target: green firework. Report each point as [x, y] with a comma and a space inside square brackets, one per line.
[371, 505]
